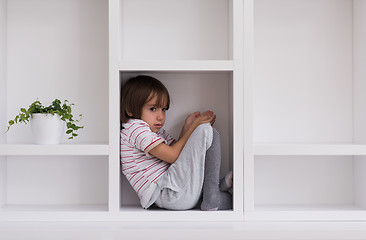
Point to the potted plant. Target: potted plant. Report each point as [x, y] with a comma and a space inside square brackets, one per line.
[48, 123]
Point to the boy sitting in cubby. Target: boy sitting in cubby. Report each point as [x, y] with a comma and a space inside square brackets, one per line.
[172, 174]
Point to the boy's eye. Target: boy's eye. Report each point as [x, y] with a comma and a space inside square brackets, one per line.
[153, 109]
[165, 109]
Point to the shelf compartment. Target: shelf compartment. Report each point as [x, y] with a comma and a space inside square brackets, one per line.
[304, 89]
[61, 149]
[50, 183]
[166, 33]
[309, 185]
[208, 65]
[309, 149]
[189, 92]
[54, 53]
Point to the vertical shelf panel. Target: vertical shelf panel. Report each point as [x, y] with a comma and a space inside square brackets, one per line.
[238, 95]
[3, 177]
[248, 64]
[3, 72]
[114, 106]
[359, 98]
[3, 94]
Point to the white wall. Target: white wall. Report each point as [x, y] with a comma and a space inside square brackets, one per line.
[359, 60]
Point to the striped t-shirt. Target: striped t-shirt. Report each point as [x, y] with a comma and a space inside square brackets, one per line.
[141, 169]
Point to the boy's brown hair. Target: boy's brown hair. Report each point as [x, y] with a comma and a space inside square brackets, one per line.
[139, 90]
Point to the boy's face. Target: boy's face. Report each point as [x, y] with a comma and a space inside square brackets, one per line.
[153, 115]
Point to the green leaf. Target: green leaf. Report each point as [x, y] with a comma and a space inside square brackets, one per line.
[64, 110]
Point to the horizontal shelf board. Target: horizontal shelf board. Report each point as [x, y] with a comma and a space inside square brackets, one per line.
[101, 213]
[136, 213]
[54, 208]
[309, 149]
[54, 212]
[204, 65]
[306, 213]
[309, 207]
[61, 149]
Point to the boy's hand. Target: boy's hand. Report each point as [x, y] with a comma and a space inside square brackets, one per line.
[197, 118]
[190, 119]
[206, 117]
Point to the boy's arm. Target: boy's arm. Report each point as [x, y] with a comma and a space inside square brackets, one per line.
[171, 153]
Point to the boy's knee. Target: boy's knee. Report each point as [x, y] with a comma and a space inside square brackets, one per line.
[207, 128]
[205, 131]
[204, 128]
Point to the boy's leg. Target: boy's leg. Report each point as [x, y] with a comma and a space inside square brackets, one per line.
[181, 185]
[213, 198]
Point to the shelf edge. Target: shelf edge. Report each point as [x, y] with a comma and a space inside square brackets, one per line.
[54, 150]
[309, 149]
[195, 65]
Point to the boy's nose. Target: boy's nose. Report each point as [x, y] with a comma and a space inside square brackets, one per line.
[160, 115]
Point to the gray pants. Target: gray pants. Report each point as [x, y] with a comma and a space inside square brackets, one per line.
[181, 186]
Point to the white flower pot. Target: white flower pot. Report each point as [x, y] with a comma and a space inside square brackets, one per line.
[47, 128]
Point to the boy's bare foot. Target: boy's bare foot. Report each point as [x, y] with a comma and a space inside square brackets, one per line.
[226, 183]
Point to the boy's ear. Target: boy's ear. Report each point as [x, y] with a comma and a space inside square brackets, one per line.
[129, 113]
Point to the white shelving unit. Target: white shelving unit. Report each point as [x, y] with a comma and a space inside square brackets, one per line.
[285, 78]
[54, 49]
[83, 51]
[200, 60]
[308, 111]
